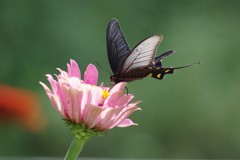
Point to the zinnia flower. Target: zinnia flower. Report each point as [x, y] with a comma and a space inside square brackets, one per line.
[86, 107]
[82, 102]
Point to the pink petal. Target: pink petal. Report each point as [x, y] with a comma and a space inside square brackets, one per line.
[115, 93]
[74, 82]
[57, 90]
[66, 101]
[112, 98]
[91, 75]
[123, 115]
[91, 95]
[76, 97]
[50, 96]
[135, 104]
[62, 74]
[123, 100]
[107, 117]
[118, 87]
[96, 95]
[54, 99]
[73, 69]
[53, 83]
[93, 115]
[126, 123]
[47, 90]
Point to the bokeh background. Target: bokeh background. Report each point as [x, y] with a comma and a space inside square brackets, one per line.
[194, 113]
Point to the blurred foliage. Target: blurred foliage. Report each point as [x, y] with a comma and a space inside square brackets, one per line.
[194, 113]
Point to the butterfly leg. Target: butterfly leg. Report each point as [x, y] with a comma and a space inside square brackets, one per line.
[126, 89]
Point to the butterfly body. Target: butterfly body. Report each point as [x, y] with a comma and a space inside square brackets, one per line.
[142, 72]
[140, 62]
[118, 78]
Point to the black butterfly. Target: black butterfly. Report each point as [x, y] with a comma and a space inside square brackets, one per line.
[129, 65]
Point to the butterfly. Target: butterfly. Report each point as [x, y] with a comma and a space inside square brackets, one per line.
[140, 62]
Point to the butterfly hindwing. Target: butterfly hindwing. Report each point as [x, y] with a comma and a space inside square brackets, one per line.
[157, 60]
[117, 46]
[142, 55]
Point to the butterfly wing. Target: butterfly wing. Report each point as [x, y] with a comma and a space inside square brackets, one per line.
[157, 60]
[142, 55]
[117, 46]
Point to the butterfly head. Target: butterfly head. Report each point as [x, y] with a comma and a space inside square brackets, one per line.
[114, 79]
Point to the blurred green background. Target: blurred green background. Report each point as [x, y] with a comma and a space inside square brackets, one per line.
[194, 113]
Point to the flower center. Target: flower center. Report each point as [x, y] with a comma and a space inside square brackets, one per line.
[105, 94]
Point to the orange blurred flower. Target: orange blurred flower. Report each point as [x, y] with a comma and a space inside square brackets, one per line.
[21, 106]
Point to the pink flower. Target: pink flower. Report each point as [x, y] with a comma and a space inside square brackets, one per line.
[83, 102]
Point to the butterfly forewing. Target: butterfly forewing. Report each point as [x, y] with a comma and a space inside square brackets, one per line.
[117, 46]
[142, 55]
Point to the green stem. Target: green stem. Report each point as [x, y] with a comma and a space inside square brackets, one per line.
[75, 149]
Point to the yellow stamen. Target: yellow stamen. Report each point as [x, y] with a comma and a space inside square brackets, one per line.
[104, 94]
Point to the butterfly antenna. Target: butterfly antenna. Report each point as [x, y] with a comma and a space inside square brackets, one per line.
[104, 68]
[187, 65]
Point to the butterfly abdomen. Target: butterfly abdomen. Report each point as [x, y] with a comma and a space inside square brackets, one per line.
[157, 72]
[154, 72]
